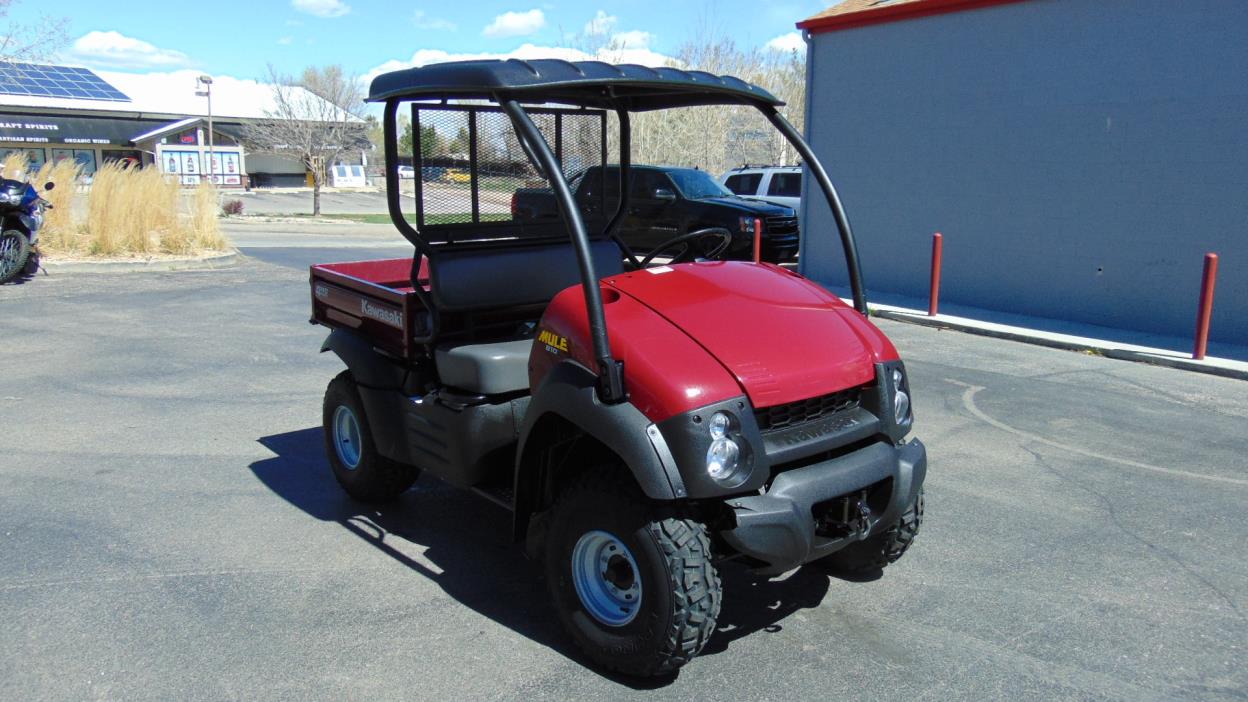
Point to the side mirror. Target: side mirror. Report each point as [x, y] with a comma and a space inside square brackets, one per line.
[49, 185]
[664, 194]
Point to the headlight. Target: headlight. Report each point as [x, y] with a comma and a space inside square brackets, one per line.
[723, 458]
[747, 225]
[901, 398]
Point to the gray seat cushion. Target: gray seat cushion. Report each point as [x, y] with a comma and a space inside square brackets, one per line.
[488, 369]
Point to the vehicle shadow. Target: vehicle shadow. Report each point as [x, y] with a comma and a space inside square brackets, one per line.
[468, 540]
[26, 276]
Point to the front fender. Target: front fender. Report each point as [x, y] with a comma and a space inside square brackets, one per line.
[568, 392]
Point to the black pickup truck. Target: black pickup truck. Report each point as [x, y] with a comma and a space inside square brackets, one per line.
[665, 202]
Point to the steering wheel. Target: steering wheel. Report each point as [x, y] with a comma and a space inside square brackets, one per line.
[722, 237]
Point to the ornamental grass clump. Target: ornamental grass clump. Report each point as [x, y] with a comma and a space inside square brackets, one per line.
[60, 234]
[136, 211]
[129, 211]
[199, 231]
[14, 166]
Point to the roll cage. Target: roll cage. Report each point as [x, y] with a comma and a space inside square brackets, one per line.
[621, 89]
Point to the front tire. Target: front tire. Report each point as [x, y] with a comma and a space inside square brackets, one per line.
[14, 252]
[883, 549]
[362, 472]
[651, 603]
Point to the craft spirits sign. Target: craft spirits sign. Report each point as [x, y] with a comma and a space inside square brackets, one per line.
[66, 130]
[29, 131]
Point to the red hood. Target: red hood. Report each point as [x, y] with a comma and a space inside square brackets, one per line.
[783, 337]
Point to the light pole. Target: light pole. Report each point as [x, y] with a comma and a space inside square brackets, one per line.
[206, 82]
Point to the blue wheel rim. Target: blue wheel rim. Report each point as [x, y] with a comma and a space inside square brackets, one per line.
[346, 437]
[606, 578]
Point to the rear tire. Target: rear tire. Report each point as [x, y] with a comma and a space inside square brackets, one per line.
[362, 472]
[14, 253]
[657, 557]
[883, 549]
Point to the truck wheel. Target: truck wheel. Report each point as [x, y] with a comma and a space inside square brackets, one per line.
[360, 470]
[633, 583]
[884, 548]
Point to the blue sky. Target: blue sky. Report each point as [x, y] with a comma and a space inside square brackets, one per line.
[366, 36]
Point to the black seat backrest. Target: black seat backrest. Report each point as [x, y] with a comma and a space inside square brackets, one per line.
[471, 280]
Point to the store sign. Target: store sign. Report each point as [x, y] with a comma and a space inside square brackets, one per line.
[27, 131]
[65, 130]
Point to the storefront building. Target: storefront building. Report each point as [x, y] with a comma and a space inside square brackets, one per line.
[55, 113]
[179, 147]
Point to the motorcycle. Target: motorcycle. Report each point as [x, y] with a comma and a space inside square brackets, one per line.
[21, 216]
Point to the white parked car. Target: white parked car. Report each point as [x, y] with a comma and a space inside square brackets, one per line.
[407, 172]
[781, 185]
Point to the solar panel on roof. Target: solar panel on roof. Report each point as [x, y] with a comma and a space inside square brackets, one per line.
[55, 81]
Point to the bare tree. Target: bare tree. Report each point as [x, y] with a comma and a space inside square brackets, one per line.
[716, 138]
[722, 137]
[312, 120]
[37, 42]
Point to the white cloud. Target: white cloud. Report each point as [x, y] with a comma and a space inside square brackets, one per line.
[788, 43]
[632, 40]
[528, 52]
[285, 41]
[423, 21]
[120, 51]
[601, 24]
[321, 8]
[515, 24]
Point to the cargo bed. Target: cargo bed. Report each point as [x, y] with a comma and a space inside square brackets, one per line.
[375, 298]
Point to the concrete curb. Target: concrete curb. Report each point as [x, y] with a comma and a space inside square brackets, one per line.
[1159, 357]
[229, 259]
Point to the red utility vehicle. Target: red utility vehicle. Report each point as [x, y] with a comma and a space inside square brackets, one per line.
[646, 423]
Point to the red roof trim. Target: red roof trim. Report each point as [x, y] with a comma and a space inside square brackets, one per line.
[894, 13]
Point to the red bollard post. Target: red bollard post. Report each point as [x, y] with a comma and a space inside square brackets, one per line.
[758, 240]
[933, 299]
[1205, 310]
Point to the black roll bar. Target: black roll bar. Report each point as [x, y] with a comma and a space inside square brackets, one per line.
[834, 201]
[390, 128]
[626, 163]
[610, 371]
[393, 204]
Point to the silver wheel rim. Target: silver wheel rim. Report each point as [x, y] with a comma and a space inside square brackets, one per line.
[8, 252]
[606, 578]
[347, 437]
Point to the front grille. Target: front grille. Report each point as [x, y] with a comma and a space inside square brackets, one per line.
[781, 225]
[808, 410]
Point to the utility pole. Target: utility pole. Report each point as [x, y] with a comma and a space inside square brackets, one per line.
[206, 82]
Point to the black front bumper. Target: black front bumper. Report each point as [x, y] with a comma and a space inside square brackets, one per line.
[778, 527]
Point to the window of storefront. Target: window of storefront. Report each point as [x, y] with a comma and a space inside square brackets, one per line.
[84, 157]
[133, 157]
[35, 157]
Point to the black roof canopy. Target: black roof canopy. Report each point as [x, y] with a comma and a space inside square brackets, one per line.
[581, 83]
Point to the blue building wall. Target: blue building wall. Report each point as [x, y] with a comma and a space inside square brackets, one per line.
[1080, 157]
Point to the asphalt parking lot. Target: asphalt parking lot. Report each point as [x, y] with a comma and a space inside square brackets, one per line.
[169, 528]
